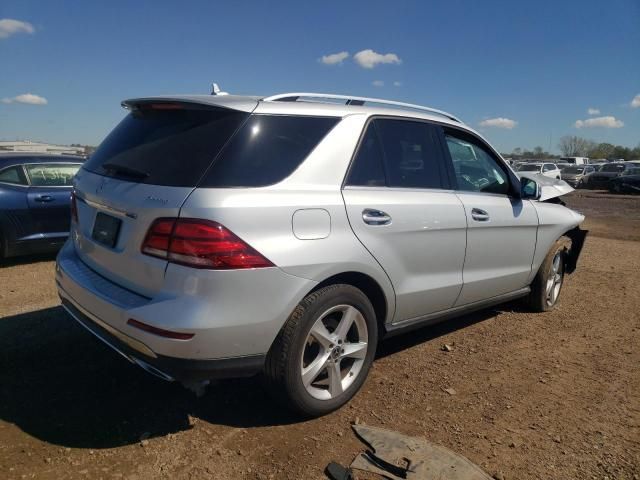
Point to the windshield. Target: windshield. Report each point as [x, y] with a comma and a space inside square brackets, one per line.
[529, 168]
[573, 170]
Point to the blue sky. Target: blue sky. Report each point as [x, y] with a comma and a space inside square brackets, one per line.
[539, 64]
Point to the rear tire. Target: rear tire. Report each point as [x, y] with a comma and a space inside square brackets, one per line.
[323, 354]
[547, 285]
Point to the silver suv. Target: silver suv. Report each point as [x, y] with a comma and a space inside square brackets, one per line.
[225, 236]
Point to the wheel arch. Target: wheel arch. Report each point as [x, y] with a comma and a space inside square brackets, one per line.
[369, 286]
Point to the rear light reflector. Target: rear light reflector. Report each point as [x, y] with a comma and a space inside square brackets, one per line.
[200, 244]
[160, 331]
[74, 207]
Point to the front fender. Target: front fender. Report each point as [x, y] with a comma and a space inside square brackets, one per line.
[577, 236]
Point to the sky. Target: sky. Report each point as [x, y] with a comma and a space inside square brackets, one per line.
[522, 73]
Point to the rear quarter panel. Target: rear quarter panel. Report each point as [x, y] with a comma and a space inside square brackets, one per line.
[263, 218]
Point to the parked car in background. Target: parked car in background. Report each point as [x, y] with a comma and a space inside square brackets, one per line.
[573, 175]
[575, 160]
[627, 183]
[287, 235]
[35, 192]
[550, 170]
[607, 172]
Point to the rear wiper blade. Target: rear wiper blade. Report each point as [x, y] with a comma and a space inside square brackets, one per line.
[124, 170]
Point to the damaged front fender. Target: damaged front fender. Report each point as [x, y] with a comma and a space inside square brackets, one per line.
[577, 237]
[549, 187]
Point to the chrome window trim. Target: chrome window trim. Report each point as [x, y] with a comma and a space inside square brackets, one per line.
[108, 208]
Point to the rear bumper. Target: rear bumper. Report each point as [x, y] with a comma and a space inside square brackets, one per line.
[167, 368]
[234, 316]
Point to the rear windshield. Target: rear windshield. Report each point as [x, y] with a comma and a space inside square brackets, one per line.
[165, 144]
[612, 168]
[529, 168]
[266, 150]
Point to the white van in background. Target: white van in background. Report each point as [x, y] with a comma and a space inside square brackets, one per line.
[575, 160]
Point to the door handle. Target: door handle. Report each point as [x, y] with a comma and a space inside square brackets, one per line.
[44, 198]
[479, 215]
[375, 217]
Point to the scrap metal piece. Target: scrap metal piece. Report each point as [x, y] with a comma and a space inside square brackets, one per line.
[396, 456]
[335, 471]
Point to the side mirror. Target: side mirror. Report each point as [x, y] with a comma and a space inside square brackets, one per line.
[529, 189]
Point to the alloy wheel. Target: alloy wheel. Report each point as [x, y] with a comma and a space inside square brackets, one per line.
[334, 352]
[554, 282]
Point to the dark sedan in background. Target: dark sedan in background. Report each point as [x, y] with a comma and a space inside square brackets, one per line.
[628, 183]
[607, 172]
[35, 191]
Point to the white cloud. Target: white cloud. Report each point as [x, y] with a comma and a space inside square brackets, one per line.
[378, 83]
[369, 59]
[499, 122]
[9, 26]
[635, 103]
[28, 98]
[593, 111]
[397, 84]
[334, 58]
[604, 122]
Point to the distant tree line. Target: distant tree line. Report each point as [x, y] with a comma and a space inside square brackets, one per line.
[536, 153]
[574, 146]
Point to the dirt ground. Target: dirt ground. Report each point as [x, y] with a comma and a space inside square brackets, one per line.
[547, 396]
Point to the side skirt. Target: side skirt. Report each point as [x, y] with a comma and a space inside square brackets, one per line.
[437, 317]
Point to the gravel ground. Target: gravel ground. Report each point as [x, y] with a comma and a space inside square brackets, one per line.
[554, 395]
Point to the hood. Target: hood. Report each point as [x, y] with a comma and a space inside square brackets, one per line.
[549, 187]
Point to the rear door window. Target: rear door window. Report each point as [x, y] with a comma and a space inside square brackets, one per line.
[399, 154]
[51, 174]
[168, 144]
[266, 150]
[411, 153]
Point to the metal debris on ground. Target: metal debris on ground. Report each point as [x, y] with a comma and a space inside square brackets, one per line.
[396, 456]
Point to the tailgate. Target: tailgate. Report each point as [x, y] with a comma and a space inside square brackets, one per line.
[144, 170]
[134, 206]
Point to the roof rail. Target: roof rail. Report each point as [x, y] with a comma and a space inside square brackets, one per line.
[350, 100]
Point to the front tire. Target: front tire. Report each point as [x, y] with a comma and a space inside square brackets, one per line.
[323, 354]
[546, 286]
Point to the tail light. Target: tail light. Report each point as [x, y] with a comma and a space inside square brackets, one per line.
[74, 207]
[200, 244]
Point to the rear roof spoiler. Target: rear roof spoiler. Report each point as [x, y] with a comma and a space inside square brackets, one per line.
[233, 102]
